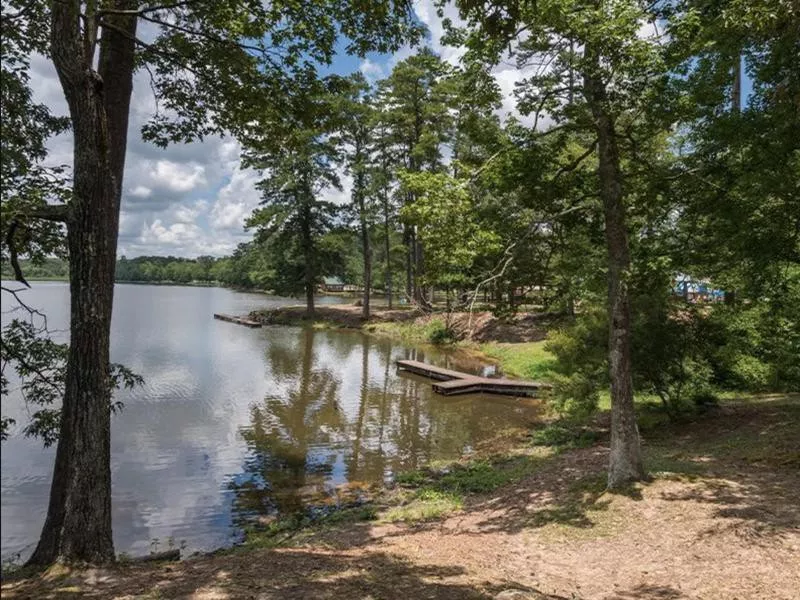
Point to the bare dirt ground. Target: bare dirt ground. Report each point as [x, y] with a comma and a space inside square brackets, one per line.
[720, 520]
[481, 326]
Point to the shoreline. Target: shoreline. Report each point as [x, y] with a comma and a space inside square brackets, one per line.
[514, 518]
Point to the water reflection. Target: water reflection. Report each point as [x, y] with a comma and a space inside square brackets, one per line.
[233, 423]
[344, 417]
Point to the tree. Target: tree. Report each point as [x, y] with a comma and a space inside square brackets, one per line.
[381, 178]
[415, 107]
[617, 74]
[356, 114]
[295, 216]
[205, 60]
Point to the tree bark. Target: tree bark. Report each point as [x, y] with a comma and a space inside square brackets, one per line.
[419, 272]
[366, 250]
[408, 239]
[625, 461]
[78, 523]
[736, 86]
[387, 249]
[310, 272]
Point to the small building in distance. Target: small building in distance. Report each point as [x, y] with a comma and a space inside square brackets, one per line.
[332, 284]
[696, 291]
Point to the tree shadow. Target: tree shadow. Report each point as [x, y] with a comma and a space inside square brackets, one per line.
[567, 491]
[744, 462]
[291, 574]
[755, 506]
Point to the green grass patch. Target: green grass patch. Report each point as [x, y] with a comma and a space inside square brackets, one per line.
[433, 493]
[432, 331]
[527, 360]
[425, 505]
[300, 526]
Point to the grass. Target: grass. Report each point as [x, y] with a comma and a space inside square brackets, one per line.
[425, 505]
[529, 360]
[432, 494]
[410, 332]
[564, 435]
[301, 525]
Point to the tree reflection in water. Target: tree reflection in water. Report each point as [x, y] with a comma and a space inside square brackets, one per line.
[347, 418]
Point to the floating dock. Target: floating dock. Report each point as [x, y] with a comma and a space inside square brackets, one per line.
[449, 382]
[238, 320]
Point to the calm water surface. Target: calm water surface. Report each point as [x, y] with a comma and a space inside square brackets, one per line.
[233, 423]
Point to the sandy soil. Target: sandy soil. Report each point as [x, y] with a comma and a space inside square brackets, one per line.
[730, 531]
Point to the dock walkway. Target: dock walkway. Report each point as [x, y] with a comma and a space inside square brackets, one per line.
[449, 382]
[238, 320]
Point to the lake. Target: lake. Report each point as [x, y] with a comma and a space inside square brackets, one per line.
[235, 423]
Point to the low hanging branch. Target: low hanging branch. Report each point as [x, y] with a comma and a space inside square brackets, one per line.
[56, 213]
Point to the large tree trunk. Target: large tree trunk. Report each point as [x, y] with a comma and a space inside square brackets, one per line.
[78, 522]
[625, 462]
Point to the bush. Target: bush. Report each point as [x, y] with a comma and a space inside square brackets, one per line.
[439, 334]
[575, 396]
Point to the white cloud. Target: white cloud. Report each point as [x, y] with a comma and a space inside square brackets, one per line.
[339, 197]
[176, 234]
[235, 201]
[141, 191]
[427, 13]
[371, 70]
[177, 177]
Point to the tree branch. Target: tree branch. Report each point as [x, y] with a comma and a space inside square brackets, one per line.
[172, 58]
[144, 10]
[577, 162]
[60, 213]
[12, 252]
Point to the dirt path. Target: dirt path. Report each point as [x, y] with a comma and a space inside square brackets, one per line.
[721, 520]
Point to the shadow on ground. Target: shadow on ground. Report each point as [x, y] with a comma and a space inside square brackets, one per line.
[744, 459]
[286, 574]
[741, 462]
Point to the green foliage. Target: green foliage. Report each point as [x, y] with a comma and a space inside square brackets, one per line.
[443, 215]
[40, 366]
[527, 360]
[426, 505]
[575, 395]
[28, 185]
[439, 333]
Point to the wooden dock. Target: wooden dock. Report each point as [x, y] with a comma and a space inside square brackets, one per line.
[450, 383]
[238, 320]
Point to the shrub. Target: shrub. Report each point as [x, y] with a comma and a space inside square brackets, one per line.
[575, 396]
[439, 333]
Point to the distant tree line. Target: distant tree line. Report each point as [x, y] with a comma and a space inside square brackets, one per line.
[246, 268]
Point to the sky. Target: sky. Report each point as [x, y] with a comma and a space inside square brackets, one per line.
[192, 199]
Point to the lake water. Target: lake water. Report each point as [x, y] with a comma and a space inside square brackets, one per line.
[232, 423]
